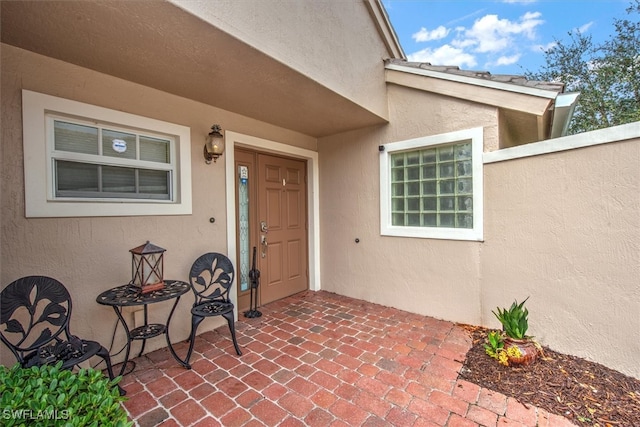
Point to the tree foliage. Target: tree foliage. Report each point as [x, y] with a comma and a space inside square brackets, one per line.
[607, 75]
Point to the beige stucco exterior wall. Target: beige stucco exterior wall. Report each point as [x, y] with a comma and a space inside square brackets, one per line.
[289, 31]
[431, 277]
[563, 228]
[90, 255]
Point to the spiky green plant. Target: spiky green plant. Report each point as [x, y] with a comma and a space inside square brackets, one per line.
[514, 320]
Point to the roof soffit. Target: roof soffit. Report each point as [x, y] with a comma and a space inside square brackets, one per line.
[159, 45]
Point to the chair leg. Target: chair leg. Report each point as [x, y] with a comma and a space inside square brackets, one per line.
[232, 328]
[104, 354]
[195, 321]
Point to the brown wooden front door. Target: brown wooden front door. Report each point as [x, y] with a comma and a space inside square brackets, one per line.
[282, 216]
[277, 225]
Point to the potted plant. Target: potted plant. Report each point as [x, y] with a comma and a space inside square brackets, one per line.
[51, 396]
[520, 348]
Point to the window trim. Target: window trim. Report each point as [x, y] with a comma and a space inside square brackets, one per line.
[38, 161]
[475, 135]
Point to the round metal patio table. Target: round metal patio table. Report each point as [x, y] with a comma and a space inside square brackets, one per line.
[130, 295]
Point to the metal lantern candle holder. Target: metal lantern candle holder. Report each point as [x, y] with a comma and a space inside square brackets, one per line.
[147, 267]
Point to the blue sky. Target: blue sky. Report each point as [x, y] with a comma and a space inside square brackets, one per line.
[500, 36]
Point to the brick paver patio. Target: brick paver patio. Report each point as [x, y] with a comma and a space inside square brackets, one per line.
[320, 359]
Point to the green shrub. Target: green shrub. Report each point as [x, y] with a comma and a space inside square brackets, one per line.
[51, 396]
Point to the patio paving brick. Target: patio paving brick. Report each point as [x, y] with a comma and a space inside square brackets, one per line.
[321, 359]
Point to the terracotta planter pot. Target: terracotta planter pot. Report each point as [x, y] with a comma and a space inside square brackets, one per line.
[527, 348]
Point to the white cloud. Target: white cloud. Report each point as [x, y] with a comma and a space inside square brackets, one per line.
[425, 35]
[499, 41]
[444, 55]
[519, 1]
[491, 34]
[506, 60]
[583, 29]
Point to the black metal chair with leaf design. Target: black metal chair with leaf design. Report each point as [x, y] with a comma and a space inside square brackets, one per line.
[211, 277]
[34, 317]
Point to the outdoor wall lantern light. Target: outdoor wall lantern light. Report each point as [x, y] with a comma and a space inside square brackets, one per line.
[147, 265]
[215, 145]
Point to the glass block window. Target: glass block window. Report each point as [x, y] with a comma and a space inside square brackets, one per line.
[431, 187]
[94, 161]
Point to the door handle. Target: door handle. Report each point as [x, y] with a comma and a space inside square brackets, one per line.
[264, 245]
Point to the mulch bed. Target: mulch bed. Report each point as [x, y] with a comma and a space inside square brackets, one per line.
[587, 393]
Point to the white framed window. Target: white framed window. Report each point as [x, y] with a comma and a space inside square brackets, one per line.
[431, 187]
[85, 160]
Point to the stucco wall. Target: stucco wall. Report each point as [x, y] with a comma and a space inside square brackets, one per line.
[562, 228]
[90, 255]
[434, 277]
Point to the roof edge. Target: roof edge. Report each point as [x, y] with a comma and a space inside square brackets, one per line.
[385, 29]
[509, 87]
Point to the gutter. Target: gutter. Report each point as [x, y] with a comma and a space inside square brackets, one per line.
[564, 108]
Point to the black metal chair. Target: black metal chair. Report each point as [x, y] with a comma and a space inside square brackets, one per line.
[34, 317]
[211, 277]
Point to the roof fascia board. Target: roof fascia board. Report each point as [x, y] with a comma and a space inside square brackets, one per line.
[389, 36]
[476, 82]
[482, 95]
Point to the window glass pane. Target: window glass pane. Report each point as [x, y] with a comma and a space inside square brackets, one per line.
[118, 180]
[397, 205]
[413, 158]
[445, 153]
[430, 220]
[447, 220]
[153, 182]
[447, 186]
[429, 171]
[118, 144]
[429, 187]
[243, 226]
[413, 173]
[413, 189]
[413, 204]
[429, 204]
[464, 168]
[464, 221]
[397, 174]
[413, 220]
[75, 138]
[447, 203]
[465, 204]
[397, 189]
[446, 170]
[465, 185]
[397, 160]
[155, 149]
[429, 156]
[397, 219]
[463, 151]
[76, 177]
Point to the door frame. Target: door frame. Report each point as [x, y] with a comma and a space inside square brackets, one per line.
[313, 197]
